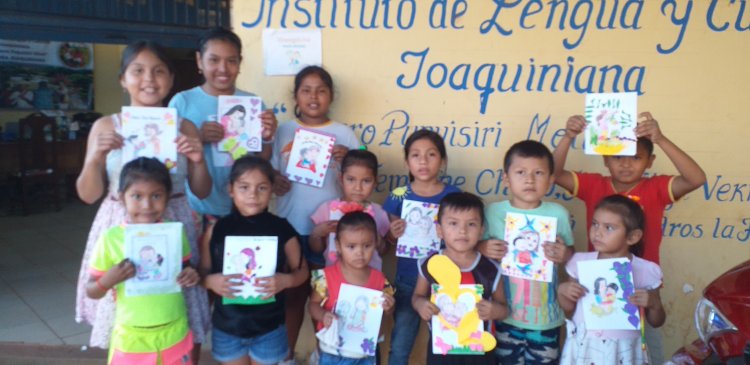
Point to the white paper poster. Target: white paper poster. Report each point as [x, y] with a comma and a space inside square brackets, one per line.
[150, 132]
[310, 156]
[611, 120]
[525, 234]
[240, 117]
[609, 283]
[156, 252]
[287, 51]
[253, 257]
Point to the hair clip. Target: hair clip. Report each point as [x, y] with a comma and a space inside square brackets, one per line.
[362, 148]
[634, 198]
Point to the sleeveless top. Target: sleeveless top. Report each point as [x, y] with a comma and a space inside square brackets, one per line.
[114, 167]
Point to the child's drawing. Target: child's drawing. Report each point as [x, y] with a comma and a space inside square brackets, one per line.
[420, 238]
[240, 117]
[156, 252]
[309, 157]
[612, 118]
[609, 283]
[525, 235]
[457, 328]
[149, 132]
[359, 312]
[253, 257]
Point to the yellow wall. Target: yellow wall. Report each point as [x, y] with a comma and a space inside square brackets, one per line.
[108, 95]
[698, 92]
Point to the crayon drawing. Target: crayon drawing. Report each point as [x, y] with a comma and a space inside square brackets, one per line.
[253, 257]
[525, 235]
[309, 157]
[611, 121]
[609, 283]
[149, 132]
[156, 252]
[240, 117]
[359, 312]
[420, 237]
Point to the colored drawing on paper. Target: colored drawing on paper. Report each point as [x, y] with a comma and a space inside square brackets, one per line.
[149, 132]
[457, 329]
[612, 118]
[359, 312]
[525, 234]
[609, 283]
[309, 157]
[156, 252]
[254, 257]
[240, 117]
[420, 237]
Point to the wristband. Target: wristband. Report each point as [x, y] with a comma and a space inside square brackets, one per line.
[100, 286]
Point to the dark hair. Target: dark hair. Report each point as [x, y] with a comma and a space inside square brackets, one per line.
[235, 108]
[307, 71]
[219, 34]
[647, 144]
[356, 220]
[630, 212]
[134, 49]
[596, 284]
[613, 286]
[248, 163]
[145, 169]
[461, 201]
[529, 148]
[362, 158]
[432, 136]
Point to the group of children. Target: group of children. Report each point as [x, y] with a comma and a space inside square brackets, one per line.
[624, 211]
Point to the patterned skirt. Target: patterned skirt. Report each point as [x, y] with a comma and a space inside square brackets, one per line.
[100, 313]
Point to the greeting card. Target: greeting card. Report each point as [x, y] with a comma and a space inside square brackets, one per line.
[254, 257]
[525, 234]
[420, 236]
[358, 311]
[609, 283]
[149, 132]
[156, 252]
[310, 157]
[611, 120]
[240, 117]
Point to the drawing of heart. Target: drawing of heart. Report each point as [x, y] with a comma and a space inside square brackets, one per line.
[298, 178]
[328, 157]
[330, 149]
[321, 175]
[254, 102]
[308, 180]
[325, 167]
[253, 111]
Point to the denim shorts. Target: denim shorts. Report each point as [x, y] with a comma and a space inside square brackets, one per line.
[268, 348]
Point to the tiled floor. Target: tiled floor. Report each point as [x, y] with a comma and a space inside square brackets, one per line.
[40, 256]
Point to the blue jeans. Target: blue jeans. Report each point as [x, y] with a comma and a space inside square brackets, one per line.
[328, 359]
[406, 322]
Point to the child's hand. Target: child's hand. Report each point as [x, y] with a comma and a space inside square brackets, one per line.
[272, 285]
[388, 302]
[188, 277]
[339, 152]
[427, 309]
[490, 310]
[118, 273]
[642, 298]
[555, 251]
[268, 124]
[324, 229]
[191, 147]
[575, 126]
[211, 132]
[571, 290]
[224, 285]
[648, 127]
[493, 248]
[397, 228]
[281, 184]
[328, 318]
[108, 141]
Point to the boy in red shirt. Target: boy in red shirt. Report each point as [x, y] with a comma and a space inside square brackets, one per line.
[626, 178]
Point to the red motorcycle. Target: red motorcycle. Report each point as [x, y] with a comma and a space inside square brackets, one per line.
[722, 318]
